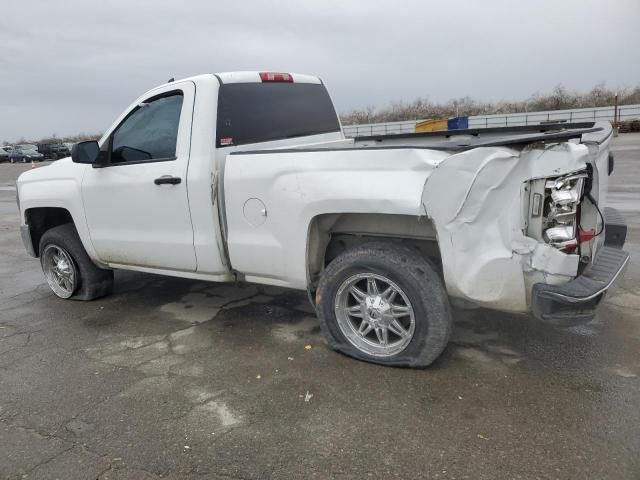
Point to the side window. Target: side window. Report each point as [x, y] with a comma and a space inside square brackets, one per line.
[150, 132]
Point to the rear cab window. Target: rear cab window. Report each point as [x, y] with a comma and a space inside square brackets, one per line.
[262, 112]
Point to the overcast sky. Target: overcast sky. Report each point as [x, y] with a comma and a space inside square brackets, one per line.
[72, 66]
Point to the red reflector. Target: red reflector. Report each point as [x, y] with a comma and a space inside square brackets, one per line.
[569, 247]
[276, 77]
[586, 235]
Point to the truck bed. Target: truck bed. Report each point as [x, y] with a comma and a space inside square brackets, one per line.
[460, 140]
[454, 141]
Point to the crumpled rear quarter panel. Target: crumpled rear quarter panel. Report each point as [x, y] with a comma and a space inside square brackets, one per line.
[475, 200]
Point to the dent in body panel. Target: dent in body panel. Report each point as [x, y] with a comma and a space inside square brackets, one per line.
[475, 201]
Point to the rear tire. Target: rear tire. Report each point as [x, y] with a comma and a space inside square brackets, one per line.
[382, 286]
[68, 269]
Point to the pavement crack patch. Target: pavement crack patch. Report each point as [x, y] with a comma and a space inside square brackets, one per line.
[200, 307]
[627, 290]
[19, 332]
[131, 473]
[625, 307]
[27, 302]
[105, 470]
[44, 462]
[27, 291]
[217, 473]
[90, 406]
[29, 355]
[240, 301]
[44, 435]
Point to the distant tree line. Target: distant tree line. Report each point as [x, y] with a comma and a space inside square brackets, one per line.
[559, 98]
[53, 138]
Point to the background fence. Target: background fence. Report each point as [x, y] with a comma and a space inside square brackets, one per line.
[625, 112]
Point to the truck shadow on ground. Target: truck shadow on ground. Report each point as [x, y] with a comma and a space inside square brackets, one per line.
[253, 318]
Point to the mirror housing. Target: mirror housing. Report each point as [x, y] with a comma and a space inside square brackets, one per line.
[86, 152]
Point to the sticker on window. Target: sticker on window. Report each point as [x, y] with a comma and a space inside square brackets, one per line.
[226, 141]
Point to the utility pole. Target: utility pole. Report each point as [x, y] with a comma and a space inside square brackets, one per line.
[615, 116]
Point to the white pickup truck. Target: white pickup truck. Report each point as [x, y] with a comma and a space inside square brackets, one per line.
[248, 177]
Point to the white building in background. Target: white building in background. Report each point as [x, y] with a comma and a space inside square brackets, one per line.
[625, 112]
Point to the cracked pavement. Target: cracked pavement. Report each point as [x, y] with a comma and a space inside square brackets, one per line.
[174, 378]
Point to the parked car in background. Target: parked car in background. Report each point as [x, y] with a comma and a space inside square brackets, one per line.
[69, 146]
[4, 154]
[19, 154]
[53, 151]
[27, 146]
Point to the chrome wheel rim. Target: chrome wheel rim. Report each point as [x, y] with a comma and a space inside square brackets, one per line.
[374, 314]
[59, 271]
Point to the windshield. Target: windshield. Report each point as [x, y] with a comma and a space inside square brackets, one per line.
[260, 112]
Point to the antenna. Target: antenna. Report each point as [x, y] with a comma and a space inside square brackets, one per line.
[171, 80]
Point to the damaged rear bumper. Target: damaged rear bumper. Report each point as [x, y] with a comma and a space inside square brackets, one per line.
[575, 302]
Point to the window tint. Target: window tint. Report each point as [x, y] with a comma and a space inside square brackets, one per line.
[150, 132]
[259, 112]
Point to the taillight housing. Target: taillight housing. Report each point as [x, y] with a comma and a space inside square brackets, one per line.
[561, 210]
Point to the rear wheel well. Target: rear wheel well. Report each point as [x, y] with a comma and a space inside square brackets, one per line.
[332, 234]
[42, 219]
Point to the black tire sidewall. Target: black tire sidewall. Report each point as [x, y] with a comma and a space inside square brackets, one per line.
[428, 300]
[54, 237]
[93, 281]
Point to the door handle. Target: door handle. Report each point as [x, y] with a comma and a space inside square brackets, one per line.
[167, 179]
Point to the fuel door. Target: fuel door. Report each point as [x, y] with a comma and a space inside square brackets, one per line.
[255, 212]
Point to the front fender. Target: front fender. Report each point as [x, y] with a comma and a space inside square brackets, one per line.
[56, 186]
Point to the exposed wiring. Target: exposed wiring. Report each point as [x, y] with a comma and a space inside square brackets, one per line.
[595, 204]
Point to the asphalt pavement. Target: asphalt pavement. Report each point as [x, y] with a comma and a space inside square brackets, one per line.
[175, 378]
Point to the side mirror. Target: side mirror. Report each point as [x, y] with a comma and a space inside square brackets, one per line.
[86, 152]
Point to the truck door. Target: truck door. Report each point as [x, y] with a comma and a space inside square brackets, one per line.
[137, 206]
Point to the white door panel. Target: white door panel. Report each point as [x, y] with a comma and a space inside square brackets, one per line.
[133, 220]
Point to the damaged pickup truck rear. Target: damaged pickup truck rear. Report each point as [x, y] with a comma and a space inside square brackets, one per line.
[247, 176]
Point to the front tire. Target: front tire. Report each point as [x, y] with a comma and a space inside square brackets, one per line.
[68, 269]
[382, 302]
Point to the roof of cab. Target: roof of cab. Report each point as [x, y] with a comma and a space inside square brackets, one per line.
[238, 77]
[254, 77]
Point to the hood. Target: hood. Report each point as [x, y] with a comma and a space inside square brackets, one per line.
[58, 169]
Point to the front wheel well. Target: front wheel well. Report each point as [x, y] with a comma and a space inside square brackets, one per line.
[41, 219]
